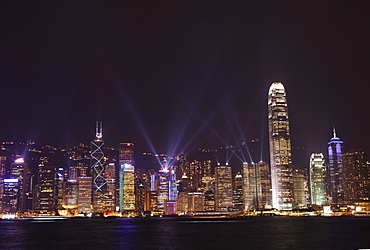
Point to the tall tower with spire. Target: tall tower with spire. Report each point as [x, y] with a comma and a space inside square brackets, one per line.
[280, 148]
[97, 167]
[335, 169]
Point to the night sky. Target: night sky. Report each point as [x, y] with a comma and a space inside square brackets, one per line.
[183, 74]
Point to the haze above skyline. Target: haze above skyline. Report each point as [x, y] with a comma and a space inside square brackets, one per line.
[182, 74]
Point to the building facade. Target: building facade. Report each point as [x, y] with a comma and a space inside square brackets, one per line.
[318, 179]
[280, 148]
[97, 168]
[356, 175]
[335, 170]
[223, 188]
[126, 177]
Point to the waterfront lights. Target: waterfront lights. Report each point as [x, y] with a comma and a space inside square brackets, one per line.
[10, 180]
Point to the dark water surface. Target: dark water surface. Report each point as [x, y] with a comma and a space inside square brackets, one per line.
[173, 233]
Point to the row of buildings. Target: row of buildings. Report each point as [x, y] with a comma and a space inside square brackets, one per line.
[100, 180]
[345, 177]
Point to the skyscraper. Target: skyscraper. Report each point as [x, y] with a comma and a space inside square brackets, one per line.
[84, 194]
[256, 185]
[10, 196]
[318, 179]
[20, 171]
[47, 189]
[335, 170]
[280, 148]
[223, 188]
[238, 202]
[356, 175]
[2, 177]
[126, 177]
[97, 168]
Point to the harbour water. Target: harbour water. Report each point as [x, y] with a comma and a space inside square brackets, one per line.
[175, 233]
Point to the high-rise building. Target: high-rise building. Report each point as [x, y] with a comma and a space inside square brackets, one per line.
[223, 188]
[163, 189]
[2, 177]
[252, 192]
[356, 175]
[77, 171]
[238, 202]
[318, 179]
[47, 189]
[70, 195]
[19, 170]
[280, 148]
[84, 194]
[182, 198]
[265, 179]
[300, 189]
[140, 193]
[10, 196]
[172, 183]
[110, 176]
[256, 185]
[127, 177]
[335, 170]
[195, 175]
[195, 202]
[97, 168]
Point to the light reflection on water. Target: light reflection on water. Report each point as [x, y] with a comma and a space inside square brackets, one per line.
[173, 233]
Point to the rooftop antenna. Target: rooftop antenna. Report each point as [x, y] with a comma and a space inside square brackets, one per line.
[99, 131]
[334, 132]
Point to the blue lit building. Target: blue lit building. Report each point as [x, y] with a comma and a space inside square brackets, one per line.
[335, 170]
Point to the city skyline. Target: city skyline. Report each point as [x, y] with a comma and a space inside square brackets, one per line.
[175, 76]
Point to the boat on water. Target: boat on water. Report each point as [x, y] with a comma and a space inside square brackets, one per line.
[211, 215]
[46, 218]
[362, 213]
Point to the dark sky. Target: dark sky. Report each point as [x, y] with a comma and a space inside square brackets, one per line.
[183, 73]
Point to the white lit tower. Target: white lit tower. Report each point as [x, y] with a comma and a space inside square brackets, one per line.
[97, 166]
[318, 179]
[280, 148]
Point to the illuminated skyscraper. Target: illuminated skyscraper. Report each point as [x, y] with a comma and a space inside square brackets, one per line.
[84, 194]
[318, 179]
[163, 189]
[265, 180]
[47, 189]
[256, 185]
[252, 192]
[70, 194]
[238, 202]
[280, 148]
[223, 188]
[195, 202]
[97, 167]
[196, 172]
[300, 189]
[2, 177]
[335, 170]
[127, 177]
[10, 196]
[20, 171]
[356, 175]
[110, 176]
